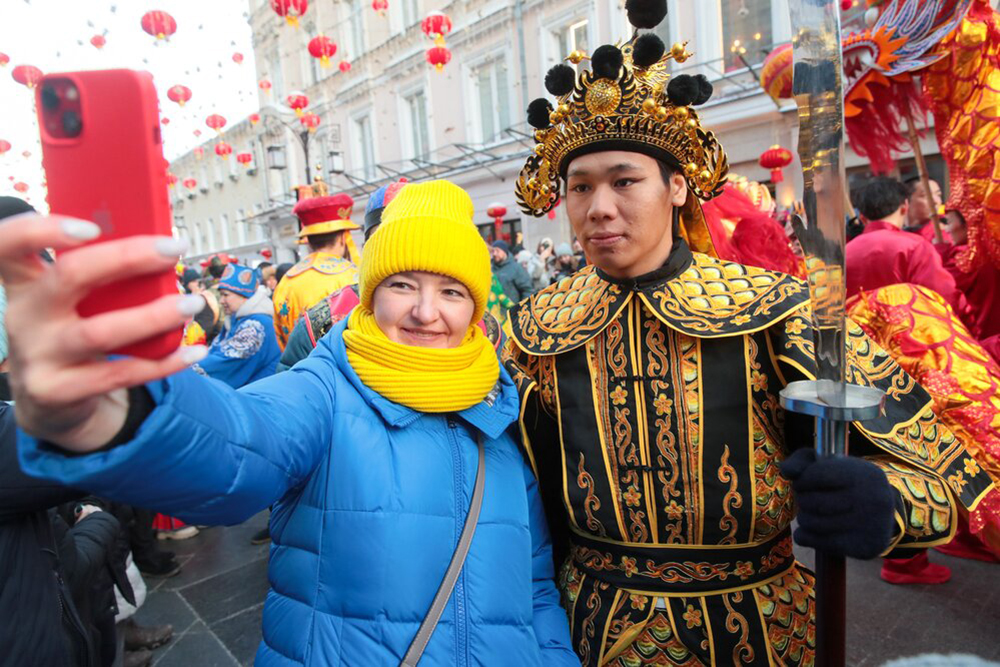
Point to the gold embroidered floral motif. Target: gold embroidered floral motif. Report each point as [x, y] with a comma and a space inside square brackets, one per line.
[692, 617]
[732, 500]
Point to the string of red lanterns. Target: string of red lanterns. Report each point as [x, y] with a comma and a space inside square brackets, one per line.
[436, 25]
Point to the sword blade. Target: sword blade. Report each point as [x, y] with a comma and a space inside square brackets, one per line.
[818, 92]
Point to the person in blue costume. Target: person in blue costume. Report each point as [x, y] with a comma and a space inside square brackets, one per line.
[247, 348]
[367, 449]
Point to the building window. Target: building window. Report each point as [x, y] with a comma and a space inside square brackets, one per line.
[572, 38]
[208, 244]
[357, 29]
[492, 98]
[194, 235]
[411, 12]
[277, 75]
[364, 148]
[224, 228]
[416, 134]
[241, 226]
[746, 32]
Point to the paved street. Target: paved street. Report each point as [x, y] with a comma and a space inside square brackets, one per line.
[215, 606]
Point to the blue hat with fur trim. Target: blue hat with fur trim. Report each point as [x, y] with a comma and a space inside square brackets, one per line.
[239, 279]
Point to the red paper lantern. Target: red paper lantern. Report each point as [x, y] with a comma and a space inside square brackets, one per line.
[159, 24]
[21, 187]
[297, 101]
[265, 85]
[497, 211]
[245, 159]
[323, 48]
[439, 56]
[4, 59]
[380, 6]
[238, 58]
[224, 150]
[266, 253]
[165, 121]
[190, 183]
[171, 179]
[254, 118]
[27, 75]
[216, 122]
[290, 10]
[776, 158]
[197, 133]
[436, 25]
[25, 154]
[845, 5]
[4, 146]
[198, 152]
[98, 42]
[344, 66]
[179, 94]
[311, 121]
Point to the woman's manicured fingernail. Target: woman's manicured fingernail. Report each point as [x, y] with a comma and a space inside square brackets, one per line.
[192, 304]
[171, 247]
[193, 353]
[81, 230]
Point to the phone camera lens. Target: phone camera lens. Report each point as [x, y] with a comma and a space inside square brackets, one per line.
[50, 99]
[72, 125]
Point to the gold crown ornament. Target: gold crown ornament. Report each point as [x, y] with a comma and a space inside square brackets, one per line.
[627, 101]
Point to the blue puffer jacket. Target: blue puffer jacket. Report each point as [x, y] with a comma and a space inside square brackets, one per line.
[370, 500]
[247, 350]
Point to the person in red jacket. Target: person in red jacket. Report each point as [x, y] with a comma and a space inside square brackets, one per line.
[885, 255]
[977, 278]
[923, 209]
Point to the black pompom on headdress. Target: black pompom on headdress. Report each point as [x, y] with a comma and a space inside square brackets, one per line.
[538, 114]
[607, 61]
[560, 80]
[686, 90]
[646, 13]
[705, 89]
[647, 50]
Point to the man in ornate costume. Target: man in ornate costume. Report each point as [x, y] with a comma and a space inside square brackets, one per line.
[649, 384]
[332, 264]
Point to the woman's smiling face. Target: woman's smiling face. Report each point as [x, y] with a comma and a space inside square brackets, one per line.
[423, 309]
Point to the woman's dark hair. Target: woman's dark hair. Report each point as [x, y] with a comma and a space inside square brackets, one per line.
[319, 241]
[282, 269]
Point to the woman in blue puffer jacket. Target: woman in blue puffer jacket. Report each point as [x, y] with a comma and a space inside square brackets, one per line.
[367, 449]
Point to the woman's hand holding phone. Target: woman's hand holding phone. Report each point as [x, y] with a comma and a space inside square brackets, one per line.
[65, 388]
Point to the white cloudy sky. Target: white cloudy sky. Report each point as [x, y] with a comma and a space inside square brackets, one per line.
[54, 35]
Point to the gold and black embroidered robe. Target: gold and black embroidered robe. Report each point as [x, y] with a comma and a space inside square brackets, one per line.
[650, 415]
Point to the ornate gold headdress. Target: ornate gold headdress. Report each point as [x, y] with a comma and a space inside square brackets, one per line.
[626, 101]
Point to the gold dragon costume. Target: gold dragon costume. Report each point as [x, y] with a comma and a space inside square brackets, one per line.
[922, 333]
[650, 408]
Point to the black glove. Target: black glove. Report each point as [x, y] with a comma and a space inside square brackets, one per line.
[846, 505]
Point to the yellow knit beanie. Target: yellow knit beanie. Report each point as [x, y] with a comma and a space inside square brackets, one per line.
[428, 227]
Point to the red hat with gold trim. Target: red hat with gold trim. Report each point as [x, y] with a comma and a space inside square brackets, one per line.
[325, 215]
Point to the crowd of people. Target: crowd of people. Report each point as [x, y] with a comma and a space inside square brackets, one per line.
[478, 453]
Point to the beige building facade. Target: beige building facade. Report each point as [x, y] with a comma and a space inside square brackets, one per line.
[393, 115]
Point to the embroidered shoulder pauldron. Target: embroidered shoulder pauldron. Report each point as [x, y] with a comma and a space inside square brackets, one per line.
[710, 299]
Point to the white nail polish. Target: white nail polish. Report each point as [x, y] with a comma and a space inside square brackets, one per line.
[171, 247]
[81, 230]
[193, 354]
[192, 304]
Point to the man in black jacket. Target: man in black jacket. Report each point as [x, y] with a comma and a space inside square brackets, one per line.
[35, 572]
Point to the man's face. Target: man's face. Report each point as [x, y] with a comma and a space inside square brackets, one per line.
[922, 208]
[498, 255]
[621, 210]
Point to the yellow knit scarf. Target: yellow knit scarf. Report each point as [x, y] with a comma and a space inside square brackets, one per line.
[424, 379]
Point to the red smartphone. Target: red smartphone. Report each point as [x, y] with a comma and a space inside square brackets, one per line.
[103, 159]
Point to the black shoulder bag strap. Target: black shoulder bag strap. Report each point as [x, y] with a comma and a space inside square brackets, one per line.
[430, 622]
